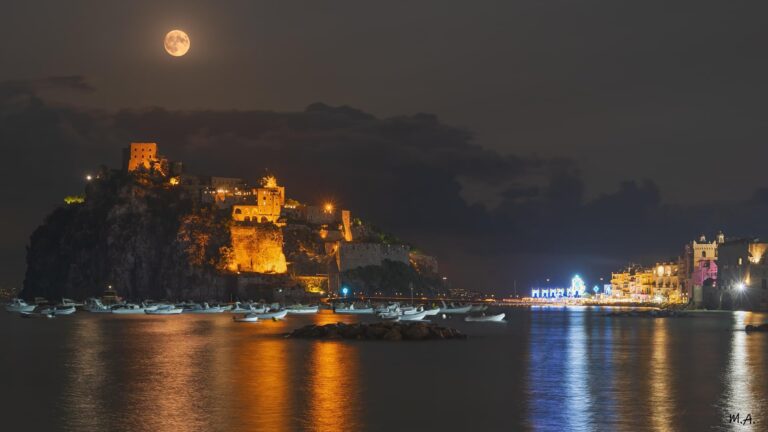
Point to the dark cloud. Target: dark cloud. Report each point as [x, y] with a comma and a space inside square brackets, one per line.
[408, 174]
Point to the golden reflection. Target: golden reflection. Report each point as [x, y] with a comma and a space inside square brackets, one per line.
[87, 376]
[262, 385]
[167, 385]
[745, 377]
[661, 400]
[335, 384]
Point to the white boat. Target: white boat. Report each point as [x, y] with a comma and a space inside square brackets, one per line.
[19, 305]
[96, 306]
[204, 309]
[455, 309]
[486, 318]
[301, 309]
[390, 315]
[273, 314]
[246, 318]
[352, 310]
[432, 312]
[128, 309]
[410, 310]
[60, 310]
[164, 310]
[414, 316]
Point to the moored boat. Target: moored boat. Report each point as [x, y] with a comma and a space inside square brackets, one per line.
[164, 310]
[299, 309]
[19, 305]
[128, 309]
[95, 305]
[271, 314]
[455, 309]
[246, 318]
[58, 310]
[486, 318]
[351, 309]
[432, 312]
[414, 316]
[204, 309]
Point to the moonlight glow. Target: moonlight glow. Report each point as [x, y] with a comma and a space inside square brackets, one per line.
[176, 43]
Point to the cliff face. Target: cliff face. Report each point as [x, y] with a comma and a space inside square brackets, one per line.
[144, 238]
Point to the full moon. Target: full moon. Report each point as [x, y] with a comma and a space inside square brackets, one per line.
[176, 43]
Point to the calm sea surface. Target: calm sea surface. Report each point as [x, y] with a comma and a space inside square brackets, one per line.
[546, 369]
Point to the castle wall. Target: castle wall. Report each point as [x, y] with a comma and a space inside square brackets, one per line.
[257, 248]
[353, 255]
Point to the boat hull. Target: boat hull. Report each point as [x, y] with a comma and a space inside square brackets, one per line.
[489, 318]
[366, 311]
[413, 317]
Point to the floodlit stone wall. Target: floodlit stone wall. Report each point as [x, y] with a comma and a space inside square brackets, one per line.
[257, 248]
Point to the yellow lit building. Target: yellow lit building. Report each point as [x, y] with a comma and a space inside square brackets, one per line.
[660, 283]
[144, 155]
[265, 205]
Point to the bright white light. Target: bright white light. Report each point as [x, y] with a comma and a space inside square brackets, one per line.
[89, 177]
[740, 286]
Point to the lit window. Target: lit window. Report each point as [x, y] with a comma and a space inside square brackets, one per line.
[740, 261]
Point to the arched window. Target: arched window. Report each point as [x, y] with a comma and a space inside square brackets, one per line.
[264, 219]
[238, 211]
[703, 254]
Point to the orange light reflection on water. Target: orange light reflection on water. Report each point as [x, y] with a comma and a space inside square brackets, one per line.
[334, 387]
[661, 399]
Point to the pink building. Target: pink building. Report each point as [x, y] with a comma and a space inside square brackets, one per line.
[704, 270]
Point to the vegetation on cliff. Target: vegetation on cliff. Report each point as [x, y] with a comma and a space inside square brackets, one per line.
[138, 234]
[391, 278]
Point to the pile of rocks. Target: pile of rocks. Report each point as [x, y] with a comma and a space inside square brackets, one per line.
[757, 328]
[652, 313]
[390, 331]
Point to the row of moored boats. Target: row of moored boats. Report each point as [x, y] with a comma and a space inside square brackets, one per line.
[256, 311]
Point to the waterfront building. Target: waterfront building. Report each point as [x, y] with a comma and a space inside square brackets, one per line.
[742, 276]
[695, 252]
[659, 283]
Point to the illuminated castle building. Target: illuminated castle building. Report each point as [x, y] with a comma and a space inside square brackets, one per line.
[265, 204]
[144, 155]
[699, 257]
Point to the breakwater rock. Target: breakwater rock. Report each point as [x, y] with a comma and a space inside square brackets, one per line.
[652, 313]
[390, 331]
[757, 328]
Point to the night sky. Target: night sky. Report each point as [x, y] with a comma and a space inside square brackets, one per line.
[514, 140]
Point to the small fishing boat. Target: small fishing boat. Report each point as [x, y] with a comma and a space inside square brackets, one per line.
[95, 305]
[246, 318]
[127, 309]
[414, 316]
[299, 309]
[351, 309]
[58, 310]
[204, 309]
[19, 305]
[164, 310]
[272, 314]
[455, 309]
[486, 318]
[390, 315]
[432, 312]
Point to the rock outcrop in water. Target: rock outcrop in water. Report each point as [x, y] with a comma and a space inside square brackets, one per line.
[389, 331]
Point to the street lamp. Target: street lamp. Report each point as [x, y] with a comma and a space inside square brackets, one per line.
[740, 286]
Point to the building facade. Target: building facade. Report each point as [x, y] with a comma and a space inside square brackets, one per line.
[742, 276]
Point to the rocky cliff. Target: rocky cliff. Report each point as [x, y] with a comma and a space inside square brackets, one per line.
[144, 237]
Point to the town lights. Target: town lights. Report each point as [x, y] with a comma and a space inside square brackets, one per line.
[328, 208]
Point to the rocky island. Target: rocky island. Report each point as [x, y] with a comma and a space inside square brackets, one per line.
[388, 331]
[151, 230]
